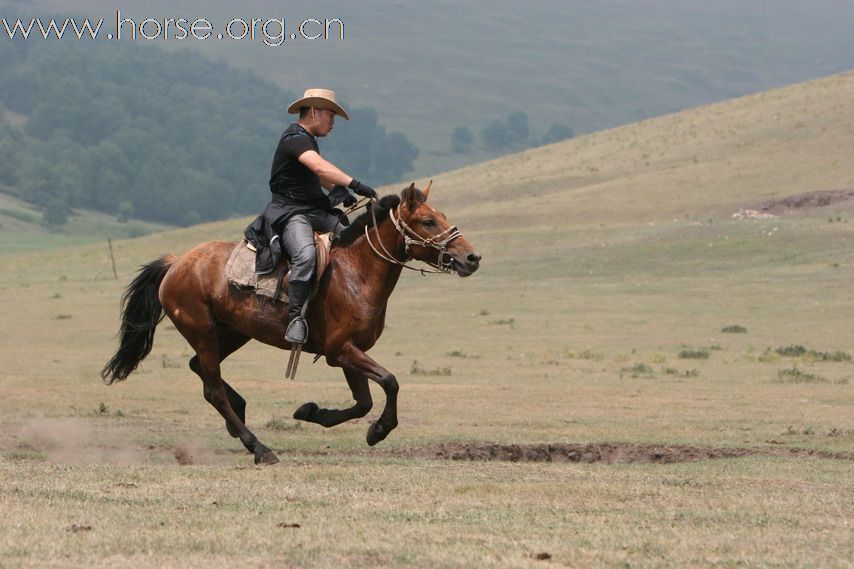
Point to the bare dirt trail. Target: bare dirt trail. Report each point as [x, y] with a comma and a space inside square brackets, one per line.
[609, 453]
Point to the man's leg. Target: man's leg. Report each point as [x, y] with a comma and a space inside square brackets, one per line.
[325, 222]
[298, 239]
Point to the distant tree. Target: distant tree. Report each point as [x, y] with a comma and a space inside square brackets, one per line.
[462, 140]
[393, 157]
[125, 211]
[364, 148]
[351, 145]
[510, 134]
[495, 136]
[518, 130]
[556, 133]
[56, 212]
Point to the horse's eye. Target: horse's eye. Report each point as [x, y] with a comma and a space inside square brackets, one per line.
[428, 222]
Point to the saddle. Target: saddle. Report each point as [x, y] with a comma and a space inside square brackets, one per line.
[240, 269]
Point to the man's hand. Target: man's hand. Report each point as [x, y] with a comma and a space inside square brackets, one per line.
[362, 189]
[341, 195]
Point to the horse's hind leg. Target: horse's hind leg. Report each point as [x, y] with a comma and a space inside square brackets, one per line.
[229, 342]
[207, 347]
[330, 417]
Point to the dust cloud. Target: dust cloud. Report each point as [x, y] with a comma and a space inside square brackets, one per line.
[75, 441]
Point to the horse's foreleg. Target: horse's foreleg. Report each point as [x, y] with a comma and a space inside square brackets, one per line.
[358, 383]
[355, 361]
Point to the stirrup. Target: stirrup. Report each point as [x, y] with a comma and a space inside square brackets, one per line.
[297, 331]
[296, 335]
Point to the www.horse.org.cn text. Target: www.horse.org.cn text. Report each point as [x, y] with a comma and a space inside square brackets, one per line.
[272, 32]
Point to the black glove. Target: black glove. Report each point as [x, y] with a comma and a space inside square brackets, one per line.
[341, 195]
[362, 189]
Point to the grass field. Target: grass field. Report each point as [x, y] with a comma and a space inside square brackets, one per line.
[597, 320]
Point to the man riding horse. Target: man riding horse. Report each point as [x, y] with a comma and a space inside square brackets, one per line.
[299, 204]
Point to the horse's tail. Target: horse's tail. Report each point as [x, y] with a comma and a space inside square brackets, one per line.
[141, 312]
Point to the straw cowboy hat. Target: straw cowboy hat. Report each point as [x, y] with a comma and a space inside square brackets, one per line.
[319, 99]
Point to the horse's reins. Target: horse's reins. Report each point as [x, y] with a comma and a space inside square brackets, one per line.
[410, 237]
[408, 240]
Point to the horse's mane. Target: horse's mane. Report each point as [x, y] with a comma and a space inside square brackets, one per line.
[352, 232]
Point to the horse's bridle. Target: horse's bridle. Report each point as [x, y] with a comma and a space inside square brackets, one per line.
[439, 242]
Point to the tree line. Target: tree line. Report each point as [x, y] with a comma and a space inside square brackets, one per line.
[169, 136]
[508, 135]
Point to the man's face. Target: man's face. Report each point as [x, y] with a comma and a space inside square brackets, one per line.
[324, 119]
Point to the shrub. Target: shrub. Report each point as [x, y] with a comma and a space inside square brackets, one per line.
[792, 351]
[459, 354]
[637, 370]
[694, 354]
[794, 375]
[837, 356]
[795, 351]
[416, 369]
[275, 424]
[677, 373]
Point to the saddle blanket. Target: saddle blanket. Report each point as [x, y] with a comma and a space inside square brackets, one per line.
[240, 269]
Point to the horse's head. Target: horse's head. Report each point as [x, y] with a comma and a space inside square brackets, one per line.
[430, 238]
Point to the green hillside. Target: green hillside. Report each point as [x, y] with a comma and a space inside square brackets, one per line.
[171, 137]
[23, 230]
[695, 167]
[430, 67]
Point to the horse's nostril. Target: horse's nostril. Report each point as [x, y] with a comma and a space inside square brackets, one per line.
[473, 258]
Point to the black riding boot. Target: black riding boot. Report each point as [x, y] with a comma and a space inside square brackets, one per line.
[297, 331]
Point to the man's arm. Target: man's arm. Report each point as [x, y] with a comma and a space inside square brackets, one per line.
[329, 174]
[332, 175]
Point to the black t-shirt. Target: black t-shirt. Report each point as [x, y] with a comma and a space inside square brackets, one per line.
[291, 182]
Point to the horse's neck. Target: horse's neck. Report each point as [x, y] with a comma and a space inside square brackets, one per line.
[380, 274]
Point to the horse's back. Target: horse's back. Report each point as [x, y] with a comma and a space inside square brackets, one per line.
[200, 272]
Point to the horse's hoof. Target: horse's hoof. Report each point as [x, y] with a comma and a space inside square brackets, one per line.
[306, 411]
[376, 433]
[268, 458]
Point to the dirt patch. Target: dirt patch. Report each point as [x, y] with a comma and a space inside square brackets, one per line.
[808, 200]
[609, 453]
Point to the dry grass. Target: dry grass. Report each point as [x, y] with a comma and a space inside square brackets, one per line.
[370, 513]
[585, 301]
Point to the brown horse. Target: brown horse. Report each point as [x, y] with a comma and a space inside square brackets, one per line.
[345, 318]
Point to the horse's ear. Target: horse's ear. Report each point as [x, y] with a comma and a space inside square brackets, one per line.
[410, 196]
[426, 191]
